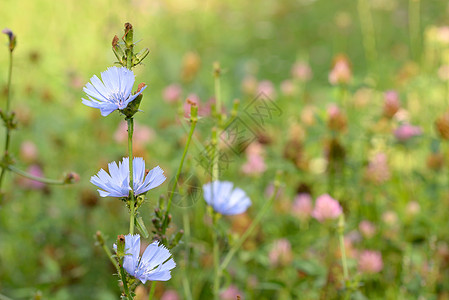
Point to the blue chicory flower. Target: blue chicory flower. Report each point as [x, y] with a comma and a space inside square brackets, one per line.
[154, 265]
[224, 199]
[117, 183]
[113, 93]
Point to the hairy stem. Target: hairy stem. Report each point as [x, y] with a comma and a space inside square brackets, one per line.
[8, 130]
[35, 178]
[130, 122]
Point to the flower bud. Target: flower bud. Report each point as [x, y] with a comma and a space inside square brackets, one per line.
[391, 104]
[12, 38]
[442, 126]
[120, 245]
[71, 177]
[129, 35]
[133, 106]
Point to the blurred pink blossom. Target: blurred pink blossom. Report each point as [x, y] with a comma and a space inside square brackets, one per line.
[36, 171]
[390, 218]
[302, 206]
[266, 87]
[249, 85]
[281, 253]
[28, 151]
[413, 208]
[370, 262]
[288, 88]
[341, 72]
[192, 98]
[391, 103]
[326, 208]
[172, 93]
[255, 161]
[443, 34]
[406, 131]
[377, 170]
[170, 295]
[231, 293]
[255, 165]
[302, 71]
[142, 134]
[367, 228]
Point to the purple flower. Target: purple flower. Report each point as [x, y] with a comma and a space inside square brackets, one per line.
[224, 199]
[154, 265]
[406, 131]
[113, 93]
[117, 183]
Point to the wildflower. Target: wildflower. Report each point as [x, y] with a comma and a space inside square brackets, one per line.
[28, 151]
[377, 170]
[281, 253]
[406, 131]
[256, 163]
[117, 184]
[266, 88]
[336, 118]
[288, 88]
[341, 71]
[370, 262]
[301, 71]
[154, 265]
[326, 208]
[367, 228]
[442, 126]
[224, 199]
[172, 93]
[231, 293]
[302, 206]
[391, 104]
[12, 38]
[113, 93]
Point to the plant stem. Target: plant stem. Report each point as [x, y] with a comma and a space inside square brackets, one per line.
[216, 256]
[130, 122]
[367, 26]
[125, 284]
[35, 178]
[8, 130]
[253, 225]
[414, 27]
[341, 227]
[185, 278]
[152, 290]
[193, 122]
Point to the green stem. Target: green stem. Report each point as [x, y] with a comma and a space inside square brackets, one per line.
[367, 26]
[178, 173]
[414, 27]
[35, 178]
[341, 227]
[130, 122]
[152, 290]
[248, 232]
[216, 256]
[125, 284]
[185, 280]
[215, 154]
[109, 254]
[8, 130]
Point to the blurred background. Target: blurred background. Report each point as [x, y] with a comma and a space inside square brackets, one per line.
[289, 50]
